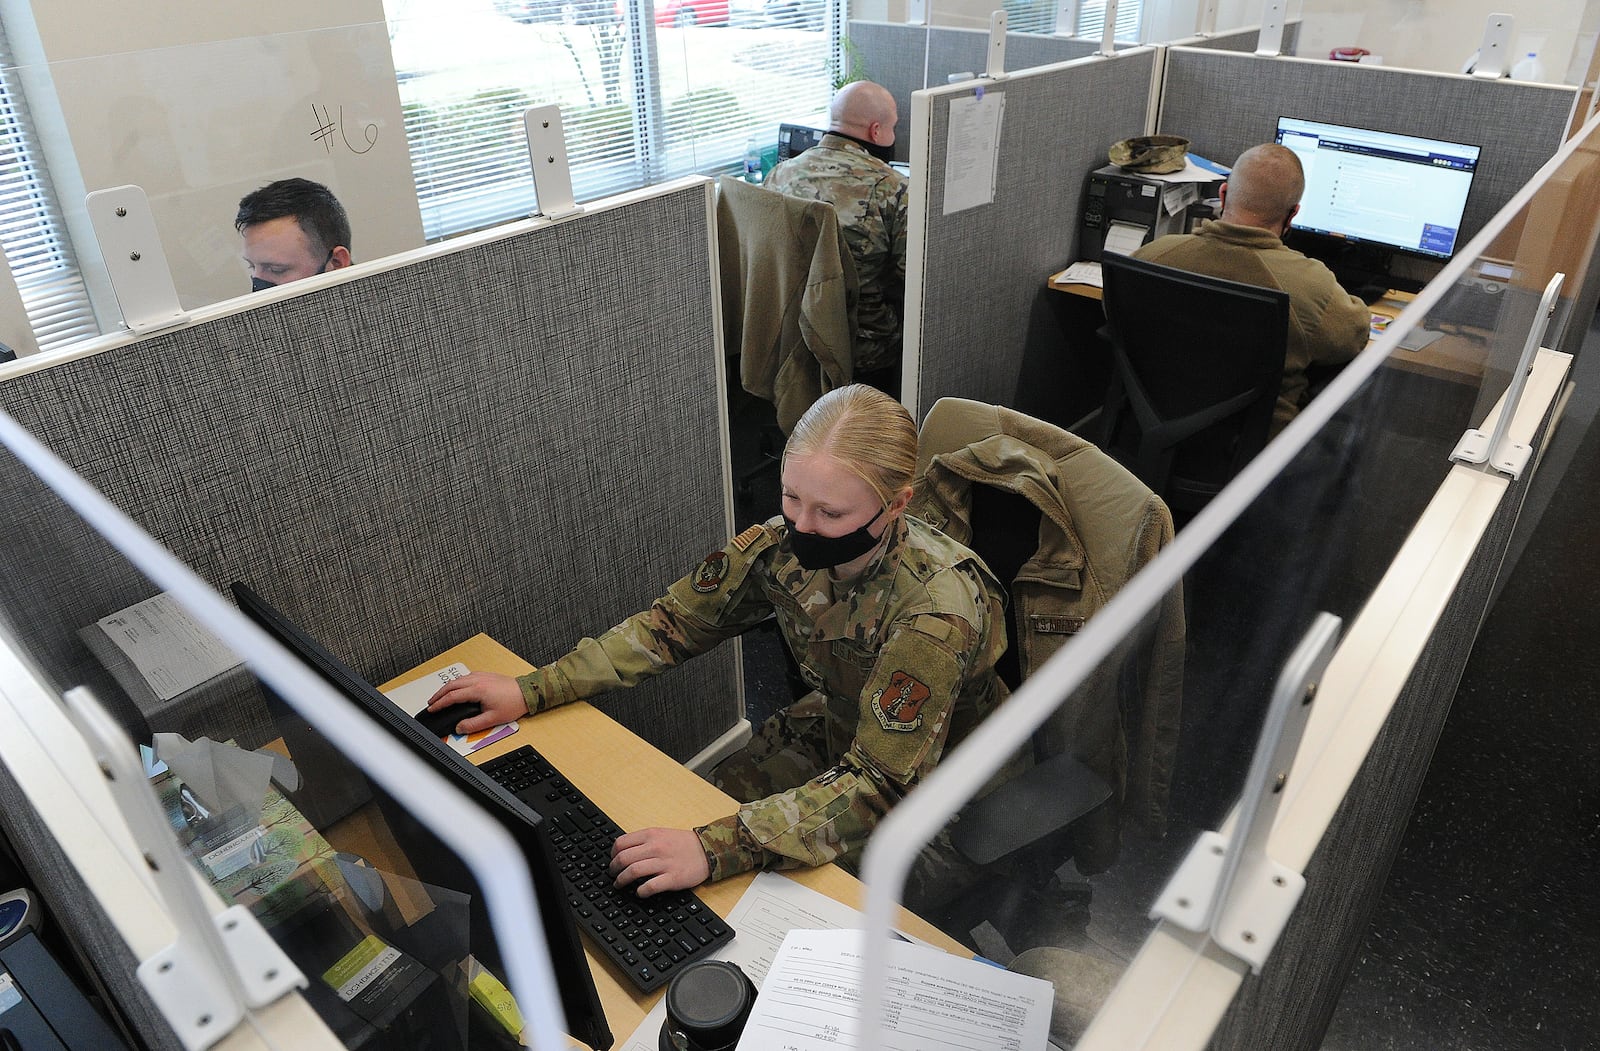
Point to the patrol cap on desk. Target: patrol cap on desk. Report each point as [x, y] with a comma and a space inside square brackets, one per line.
[1151, 154]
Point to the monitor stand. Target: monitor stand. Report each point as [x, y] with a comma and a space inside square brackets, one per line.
[1362, 270]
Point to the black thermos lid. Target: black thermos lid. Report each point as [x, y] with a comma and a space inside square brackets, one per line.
[707, 1004]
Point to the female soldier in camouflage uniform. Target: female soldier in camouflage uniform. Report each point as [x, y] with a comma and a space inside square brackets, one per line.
[895, 626]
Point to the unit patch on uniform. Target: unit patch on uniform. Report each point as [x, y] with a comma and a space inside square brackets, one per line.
[898, 705]
[708, 575]
[748, 537]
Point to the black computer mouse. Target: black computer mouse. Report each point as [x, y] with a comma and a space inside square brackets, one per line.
[442, 723]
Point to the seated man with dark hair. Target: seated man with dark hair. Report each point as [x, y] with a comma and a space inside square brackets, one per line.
[1327, 325]
[292, 228]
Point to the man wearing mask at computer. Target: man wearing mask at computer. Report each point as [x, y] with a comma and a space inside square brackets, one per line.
[849, 170]
[292, 229]
[1327, 325]
[895, 626]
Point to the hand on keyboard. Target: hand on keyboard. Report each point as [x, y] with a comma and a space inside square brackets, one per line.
[658, 859]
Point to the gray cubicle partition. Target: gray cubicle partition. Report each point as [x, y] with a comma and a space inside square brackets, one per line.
[907, 58]
[1225, 102]
[1244, 39]
[472, 440]
[979, 299]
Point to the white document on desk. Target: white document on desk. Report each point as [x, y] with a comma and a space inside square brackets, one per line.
[811, 1000]
[769, 909]
[973, 150]
[1083, 272]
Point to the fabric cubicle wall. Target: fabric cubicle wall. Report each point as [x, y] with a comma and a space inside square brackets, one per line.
[906, 58]
[1244, 39]
[1225, 102]
[980, 295]
[468, 441]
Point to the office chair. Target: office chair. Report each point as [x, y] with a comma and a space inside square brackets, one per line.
[1197, 365]
[1061, 555]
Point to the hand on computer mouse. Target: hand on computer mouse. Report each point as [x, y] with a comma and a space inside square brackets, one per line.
[496, 699]
[443, 722]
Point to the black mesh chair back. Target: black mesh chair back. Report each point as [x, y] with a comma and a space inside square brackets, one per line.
[1198, 362]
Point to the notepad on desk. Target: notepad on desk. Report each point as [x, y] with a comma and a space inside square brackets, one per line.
[412, 697]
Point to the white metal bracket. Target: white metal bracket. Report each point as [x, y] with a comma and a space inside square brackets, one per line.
[1270, 40]
[1067, 17]
[996, 67]
[1205, 22]
[547, 149]
[1497, 449]
[1108, 30]
[917, 13]
[223, 963]
[1228, 885]
[1491, 61]
[125, 230]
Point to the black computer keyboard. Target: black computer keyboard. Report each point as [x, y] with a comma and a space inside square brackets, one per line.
[647, 938]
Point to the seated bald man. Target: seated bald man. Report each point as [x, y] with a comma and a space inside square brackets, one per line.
[849, 169]
[1327, 325]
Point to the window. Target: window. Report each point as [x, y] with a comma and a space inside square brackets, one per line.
[31, 228]
[1039, 16]
[1092, 19]
[648, 91]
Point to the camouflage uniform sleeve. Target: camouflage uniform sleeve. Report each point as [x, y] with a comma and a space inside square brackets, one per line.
[895, 208]
[901, 730]
[720, 599]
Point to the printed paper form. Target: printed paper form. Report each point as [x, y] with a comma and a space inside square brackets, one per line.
[973, 150]
[769, 909]
[170, 650]
[810, 1001]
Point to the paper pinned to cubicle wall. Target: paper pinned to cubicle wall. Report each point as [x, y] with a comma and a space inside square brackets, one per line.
[973, 155]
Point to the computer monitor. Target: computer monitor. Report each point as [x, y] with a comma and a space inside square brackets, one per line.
[1398, 193]
[437, 865]
[795, 139]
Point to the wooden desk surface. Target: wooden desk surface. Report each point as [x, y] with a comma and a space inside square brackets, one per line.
[1454, 357]
[639, 787]
[1073, 288]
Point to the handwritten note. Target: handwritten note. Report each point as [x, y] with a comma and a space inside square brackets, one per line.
[325, 125]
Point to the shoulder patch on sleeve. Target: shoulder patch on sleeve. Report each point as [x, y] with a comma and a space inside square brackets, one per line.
[749, 536]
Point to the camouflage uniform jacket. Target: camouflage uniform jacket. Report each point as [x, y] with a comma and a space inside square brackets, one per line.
[905, 655]
[870, 198]
[1098, 526]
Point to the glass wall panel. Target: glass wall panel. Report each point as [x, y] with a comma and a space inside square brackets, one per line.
[368, 867]
[1073, 811]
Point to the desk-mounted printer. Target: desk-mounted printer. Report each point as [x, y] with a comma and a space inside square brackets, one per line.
[1125, 210]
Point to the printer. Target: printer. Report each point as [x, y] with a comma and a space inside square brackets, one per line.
[1126, 210]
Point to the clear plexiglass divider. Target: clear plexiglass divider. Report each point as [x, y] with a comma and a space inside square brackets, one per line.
[1356, 516]
[382, 889]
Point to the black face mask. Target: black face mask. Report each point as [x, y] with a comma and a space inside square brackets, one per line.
[883, 153]
[261, 284]
[815, 551]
